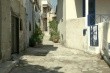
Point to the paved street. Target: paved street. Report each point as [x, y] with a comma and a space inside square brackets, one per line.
[54, 58]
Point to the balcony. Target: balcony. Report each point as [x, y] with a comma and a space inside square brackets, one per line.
[98, 18]
[44, 3]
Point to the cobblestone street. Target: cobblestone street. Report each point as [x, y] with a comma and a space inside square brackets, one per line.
[54, 58]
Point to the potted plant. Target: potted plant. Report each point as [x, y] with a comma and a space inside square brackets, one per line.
[54, 34]
[36, 38]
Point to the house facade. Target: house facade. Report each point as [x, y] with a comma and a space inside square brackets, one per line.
[45, 8]
[36, 13]
[32, 17]
[5, 29]
[16, 26]
[12, 28]
[51, 15]
[82, 24]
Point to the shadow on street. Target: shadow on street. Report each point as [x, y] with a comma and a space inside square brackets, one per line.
[24, 67]
[41, 50]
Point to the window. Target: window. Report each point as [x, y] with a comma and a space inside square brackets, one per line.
[36, 9]
[39, 20]
[29, 26]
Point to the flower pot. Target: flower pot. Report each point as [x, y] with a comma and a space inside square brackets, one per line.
[55, 40]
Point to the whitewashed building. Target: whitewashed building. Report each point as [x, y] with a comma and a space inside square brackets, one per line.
[84, 24]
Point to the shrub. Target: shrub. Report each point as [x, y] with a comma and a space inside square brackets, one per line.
[36, 37]
[55, 38]
[54, 34]
[32, 41]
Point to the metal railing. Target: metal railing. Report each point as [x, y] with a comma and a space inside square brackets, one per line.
[98, 18]
[94, 40]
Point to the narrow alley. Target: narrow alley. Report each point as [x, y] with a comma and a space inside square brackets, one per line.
[54, 58]
[54, 36]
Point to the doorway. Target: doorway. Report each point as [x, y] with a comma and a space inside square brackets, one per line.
[91, 12]
[45, 24]
[15, 34]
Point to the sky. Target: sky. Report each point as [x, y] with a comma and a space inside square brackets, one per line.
[54, 3]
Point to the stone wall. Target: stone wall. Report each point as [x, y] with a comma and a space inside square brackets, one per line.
[0, 30]
[71, 34]
[62, 31]
[29, 19]
[19, 10]
[5, 29]
[74, 34]
[104, 36]
[22, 33]
[5, 26]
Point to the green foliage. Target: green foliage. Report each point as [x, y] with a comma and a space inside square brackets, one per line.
[36, 37]
[53, 25]
[54, 34]
[32, 41]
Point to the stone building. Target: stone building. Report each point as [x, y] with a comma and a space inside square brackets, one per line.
[45, 8]
[16, 26]
[5, 29]
[50, 16]
[32, 17]
[12, 28]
